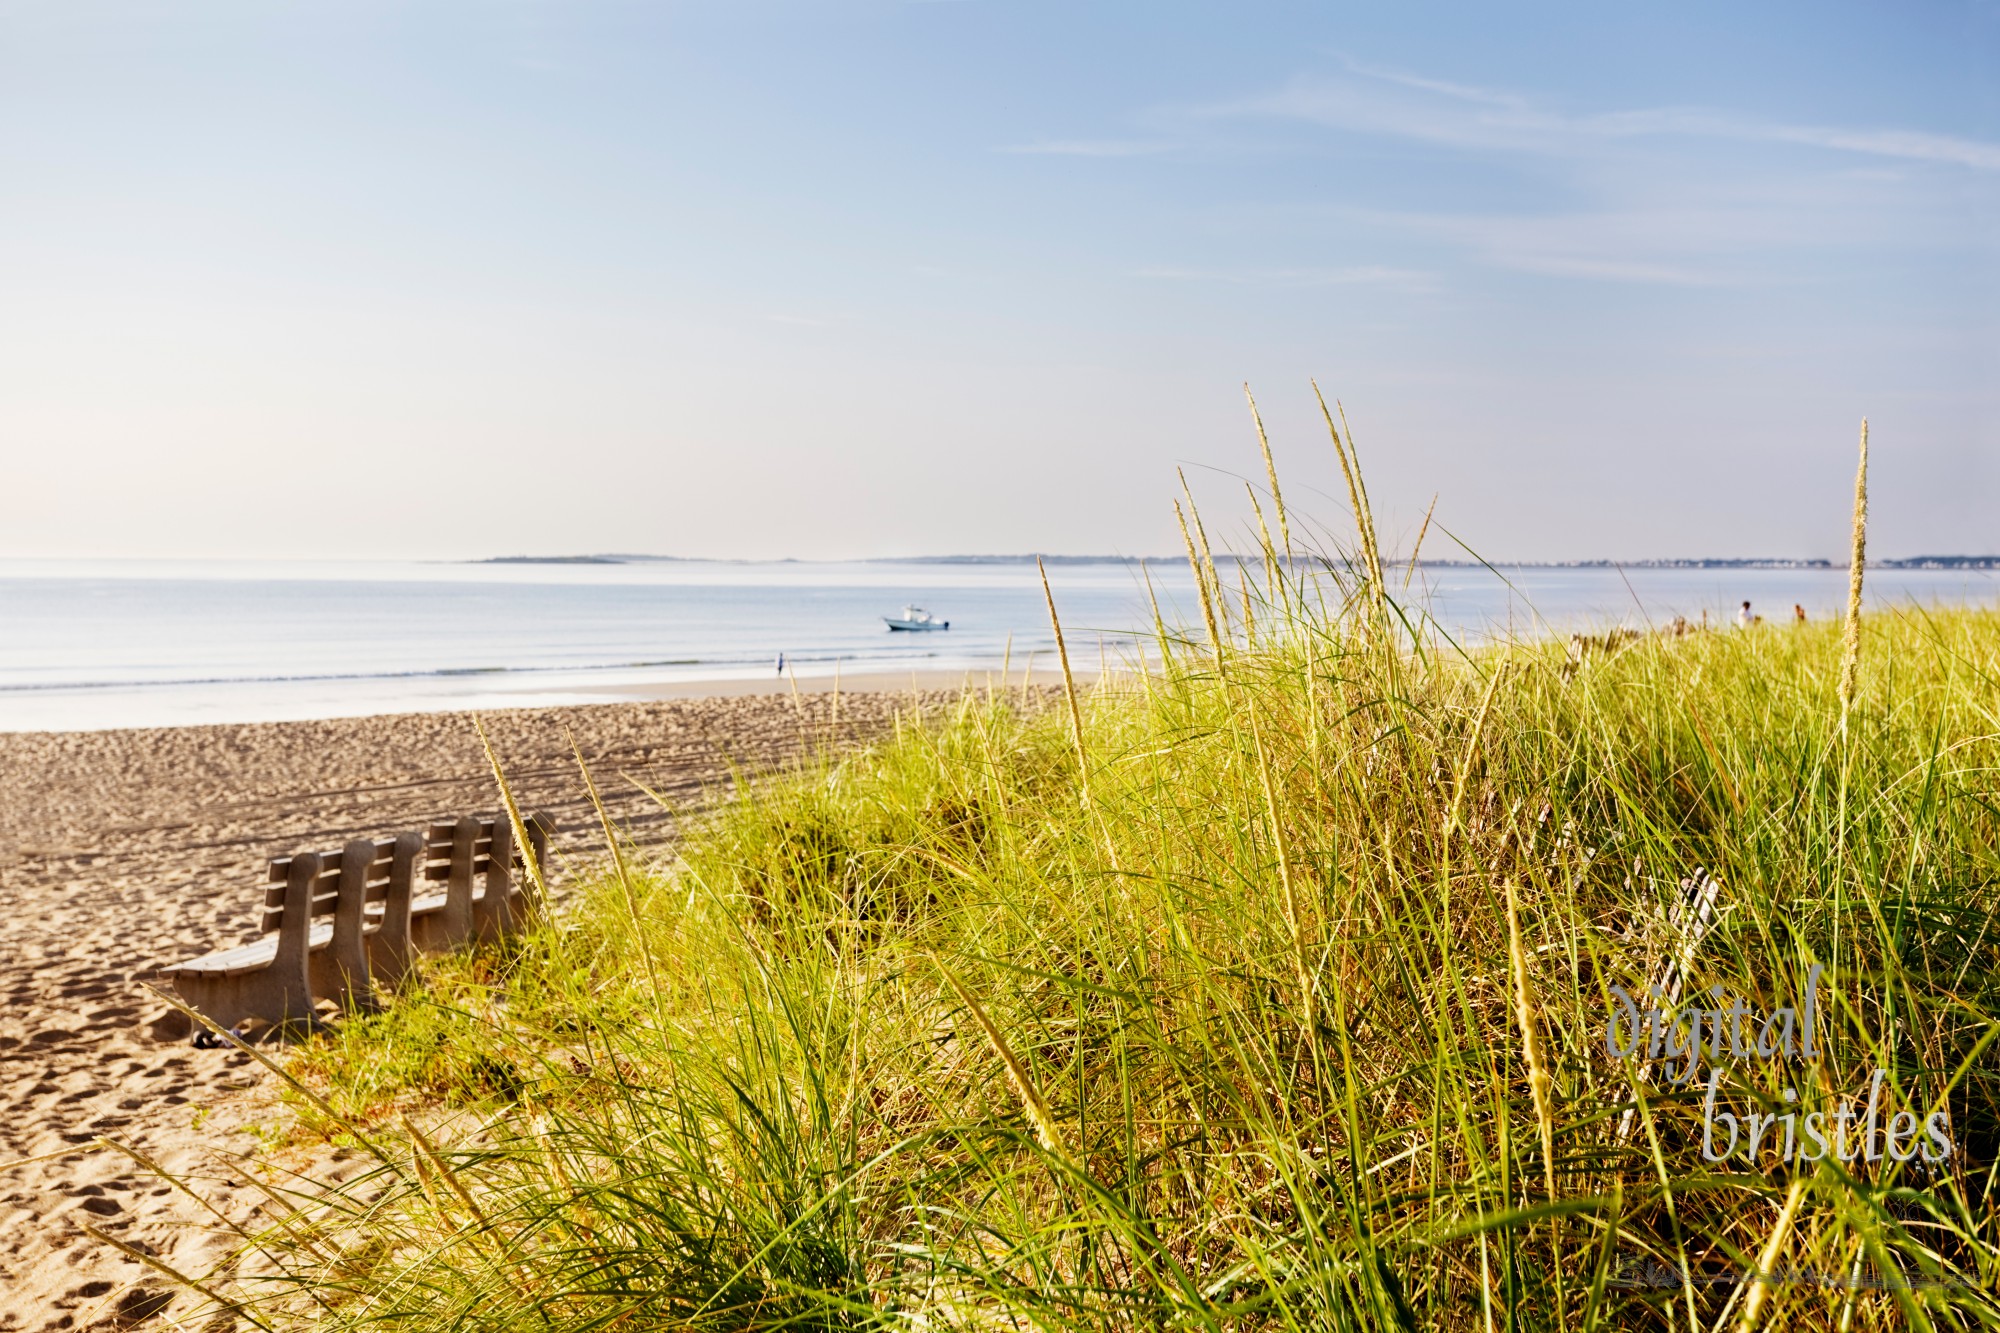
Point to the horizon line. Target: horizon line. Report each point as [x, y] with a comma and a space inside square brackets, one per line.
[1657, 562]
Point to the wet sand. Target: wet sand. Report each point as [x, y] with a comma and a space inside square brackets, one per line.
[871, 682]
[125, 851]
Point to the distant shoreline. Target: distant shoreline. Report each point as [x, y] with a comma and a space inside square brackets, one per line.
[1967, 562]
[1907, 562]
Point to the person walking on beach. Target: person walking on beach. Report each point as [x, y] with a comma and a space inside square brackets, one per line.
[1743, 616]
[781, 666]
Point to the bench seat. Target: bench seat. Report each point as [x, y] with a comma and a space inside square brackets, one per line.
[253, 957]
[258, 954]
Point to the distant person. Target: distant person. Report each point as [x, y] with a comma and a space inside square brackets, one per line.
[1743, 616]
[1798, 614]
[781, 665]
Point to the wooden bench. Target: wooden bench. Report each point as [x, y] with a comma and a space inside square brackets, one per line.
[270, 979]
[338, 923]
[458, 855]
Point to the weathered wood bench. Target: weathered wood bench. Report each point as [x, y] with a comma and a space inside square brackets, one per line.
[270, 979]
[336, 924]
[458, 855]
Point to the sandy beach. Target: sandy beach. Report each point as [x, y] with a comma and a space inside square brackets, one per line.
[125, 851]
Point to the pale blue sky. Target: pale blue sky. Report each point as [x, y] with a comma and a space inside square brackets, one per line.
[754, 278]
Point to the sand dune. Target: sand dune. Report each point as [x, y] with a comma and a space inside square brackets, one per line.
[123, 851]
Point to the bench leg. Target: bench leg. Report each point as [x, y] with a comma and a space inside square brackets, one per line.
[269, 995]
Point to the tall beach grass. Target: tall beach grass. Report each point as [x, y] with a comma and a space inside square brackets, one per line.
[1267, 985]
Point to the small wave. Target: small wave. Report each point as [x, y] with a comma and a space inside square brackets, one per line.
[433, 673]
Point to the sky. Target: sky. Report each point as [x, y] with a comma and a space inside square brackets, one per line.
[768, 279]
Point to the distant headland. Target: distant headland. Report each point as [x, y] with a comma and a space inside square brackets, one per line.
[1965, 562]
[1730, 562]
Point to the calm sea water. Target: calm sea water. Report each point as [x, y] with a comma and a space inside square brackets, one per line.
[91, 644]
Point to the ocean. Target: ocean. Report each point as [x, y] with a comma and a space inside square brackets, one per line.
[94, 644]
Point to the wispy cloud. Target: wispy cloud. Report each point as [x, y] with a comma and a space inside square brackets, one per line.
[1391, 103]
[1378, 275]
[1092, 147]
[1613, 270]
[1659, 246]
[1642, 196]
[1906, 144]
[1649, 195]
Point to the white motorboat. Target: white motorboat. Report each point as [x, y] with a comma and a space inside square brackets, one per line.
[915, 617]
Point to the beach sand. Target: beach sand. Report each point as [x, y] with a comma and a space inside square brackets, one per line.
[872, 682]
[124, 851]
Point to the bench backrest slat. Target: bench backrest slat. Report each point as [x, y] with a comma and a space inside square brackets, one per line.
[326, 884]
[434, 863]
[440, 840]
[280, 866]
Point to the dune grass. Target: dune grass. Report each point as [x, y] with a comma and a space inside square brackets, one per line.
[1268, 990]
